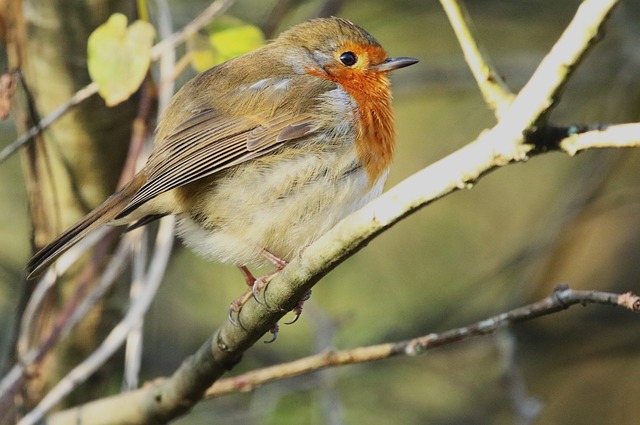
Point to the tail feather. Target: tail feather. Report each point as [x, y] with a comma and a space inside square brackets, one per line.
[103, 214]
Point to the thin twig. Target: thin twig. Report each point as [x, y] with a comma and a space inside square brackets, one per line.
[134, 340]
[277, 13]
[69, 318]
[559, 300]
[615, 136]
[495, 91]
[117, 262]
[114, 340]
[545, 85]
[562, 299]
[47, 281]
[152, 279]
[133, 318]
[134, 345]
[80, 96]
[216, 8]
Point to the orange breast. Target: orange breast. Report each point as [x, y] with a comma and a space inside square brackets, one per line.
[376, 135]
[375, 140]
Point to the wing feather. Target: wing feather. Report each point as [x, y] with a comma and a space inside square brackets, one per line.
[210, 142]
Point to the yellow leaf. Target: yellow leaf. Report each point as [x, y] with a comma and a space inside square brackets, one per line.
[231, 37]
[119, 57]
[228, 37]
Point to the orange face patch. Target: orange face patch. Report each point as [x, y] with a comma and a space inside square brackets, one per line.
[371, 89]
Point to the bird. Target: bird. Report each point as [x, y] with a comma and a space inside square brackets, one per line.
[261, 155]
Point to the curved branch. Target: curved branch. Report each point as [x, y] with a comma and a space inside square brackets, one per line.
[495, 91]
[561, 299]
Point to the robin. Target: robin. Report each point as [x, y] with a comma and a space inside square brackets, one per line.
[261, 155]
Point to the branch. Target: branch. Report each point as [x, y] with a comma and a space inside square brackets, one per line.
[80, 96]
[562, 299]
[543, 89]
[495, 91]
[615, 136]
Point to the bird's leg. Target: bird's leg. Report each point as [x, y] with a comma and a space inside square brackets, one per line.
[256, 285]
[280, 264]
[236, 305]
[248, 276]
[262, 281]
[275, 260]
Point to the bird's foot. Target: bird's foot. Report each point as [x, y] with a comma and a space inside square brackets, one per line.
[297, 310]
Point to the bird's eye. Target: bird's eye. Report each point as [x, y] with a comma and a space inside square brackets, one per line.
[348, 58]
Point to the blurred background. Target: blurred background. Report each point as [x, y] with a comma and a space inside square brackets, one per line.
[508, 241]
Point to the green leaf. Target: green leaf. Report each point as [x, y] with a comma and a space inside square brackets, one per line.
[228, 37]
[119, 57]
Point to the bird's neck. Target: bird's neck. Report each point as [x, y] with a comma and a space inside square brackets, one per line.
[375, 132]
[375, 141]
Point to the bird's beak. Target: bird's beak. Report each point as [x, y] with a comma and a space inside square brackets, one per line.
[395, 63]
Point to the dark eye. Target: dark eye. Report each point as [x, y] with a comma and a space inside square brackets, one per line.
[348, 58]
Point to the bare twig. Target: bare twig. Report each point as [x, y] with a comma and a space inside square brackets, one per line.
[167, 66]
[133, 350]
[80, 96]
[149, 284]
[277, 13]
[216, 8]
[495, 91]
[68, 319]
[46, 282]
[544, 87]
[134, 340]
[560, 300]
[615, 136]
[115, 338]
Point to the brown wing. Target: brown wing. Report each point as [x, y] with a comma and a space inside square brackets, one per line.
[210, 142]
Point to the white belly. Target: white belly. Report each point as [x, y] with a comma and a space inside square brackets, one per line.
[282, 210]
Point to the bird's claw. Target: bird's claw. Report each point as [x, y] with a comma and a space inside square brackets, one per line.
[260, 284]
[255, 289]
[236, 305]
[274, 331]
[297, 310]
[230, 313]
[294, 320]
